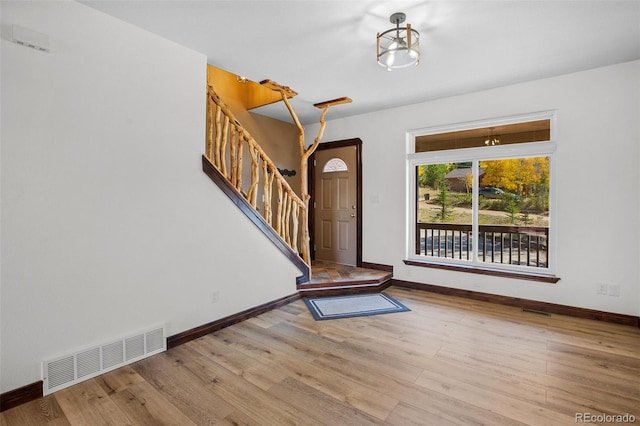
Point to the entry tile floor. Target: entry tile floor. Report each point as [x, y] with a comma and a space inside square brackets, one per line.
[325, 274]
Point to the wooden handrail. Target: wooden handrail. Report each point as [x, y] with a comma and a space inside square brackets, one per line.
[226, 142]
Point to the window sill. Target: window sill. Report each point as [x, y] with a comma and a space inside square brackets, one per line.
[551, 279]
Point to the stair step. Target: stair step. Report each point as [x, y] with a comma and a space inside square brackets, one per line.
[331, 276]
[310, 285]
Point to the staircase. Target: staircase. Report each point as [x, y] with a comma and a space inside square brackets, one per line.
[240, 167]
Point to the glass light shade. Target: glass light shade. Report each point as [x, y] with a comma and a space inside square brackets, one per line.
[492, 141]
[399, 48]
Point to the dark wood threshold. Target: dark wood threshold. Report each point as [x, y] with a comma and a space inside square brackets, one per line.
[341, 284]
[551, 279]
[532, 305]
[344, 284]
[194, 333]
[255, 217]
[346, 290]
[20, 396]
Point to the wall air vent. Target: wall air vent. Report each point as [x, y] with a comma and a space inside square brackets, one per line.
[63, 371]
[29, 38]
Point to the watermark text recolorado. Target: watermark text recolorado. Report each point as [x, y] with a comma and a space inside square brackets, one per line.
[604, 418]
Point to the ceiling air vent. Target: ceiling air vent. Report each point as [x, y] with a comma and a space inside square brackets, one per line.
[61, 372]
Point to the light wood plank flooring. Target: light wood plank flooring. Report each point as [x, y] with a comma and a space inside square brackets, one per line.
[449, 361]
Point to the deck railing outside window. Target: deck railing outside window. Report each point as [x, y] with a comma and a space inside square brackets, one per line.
[503, 244]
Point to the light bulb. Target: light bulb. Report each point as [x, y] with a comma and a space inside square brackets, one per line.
[391, 57]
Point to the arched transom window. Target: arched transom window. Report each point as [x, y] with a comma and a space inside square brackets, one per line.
[335, 165]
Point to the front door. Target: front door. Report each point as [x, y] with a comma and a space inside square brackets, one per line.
[336, 215]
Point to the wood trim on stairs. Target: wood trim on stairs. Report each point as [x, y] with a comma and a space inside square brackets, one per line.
[21, 395]
[255, 217]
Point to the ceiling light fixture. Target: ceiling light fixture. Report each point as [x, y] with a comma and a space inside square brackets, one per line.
[492, 140]
[398, 47]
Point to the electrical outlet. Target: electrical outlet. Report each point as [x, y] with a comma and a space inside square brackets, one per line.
[614, 290]
[602, 288]
[215, 296]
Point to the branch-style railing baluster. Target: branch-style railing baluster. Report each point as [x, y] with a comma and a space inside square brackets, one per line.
[226, 139]
[305, 152]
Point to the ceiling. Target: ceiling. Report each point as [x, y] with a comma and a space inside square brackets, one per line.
[326, 49]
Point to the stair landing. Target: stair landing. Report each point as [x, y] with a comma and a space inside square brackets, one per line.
[333, 276]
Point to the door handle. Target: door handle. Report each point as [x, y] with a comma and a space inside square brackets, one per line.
[353, 215]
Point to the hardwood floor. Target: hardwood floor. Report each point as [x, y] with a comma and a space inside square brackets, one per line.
[449, 361]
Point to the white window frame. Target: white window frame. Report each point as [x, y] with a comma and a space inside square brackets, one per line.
[498, 152]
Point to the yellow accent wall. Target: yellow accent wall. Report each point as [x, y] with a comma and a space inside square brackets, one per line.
[278, 138]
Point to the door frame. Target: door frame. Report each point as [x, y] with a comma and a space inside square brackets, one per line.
[357, 142]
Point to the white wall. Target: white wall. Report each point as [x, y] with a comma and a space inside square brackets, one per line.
[108, 223]
[598, 135]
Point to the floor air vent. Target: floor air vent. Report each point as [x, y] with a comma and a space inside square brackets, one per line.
[67, 370]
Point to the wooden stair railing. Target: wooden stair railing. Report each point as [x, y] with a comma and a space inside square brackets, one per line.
[225, 147]
[227, 143]
[256, 218]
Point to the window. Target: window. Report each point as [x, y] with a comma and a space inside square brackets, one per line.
[481, 195]
[335, 165]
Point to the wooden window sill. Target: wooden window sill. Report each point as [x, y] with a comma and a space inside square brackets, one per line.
[551, 279]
